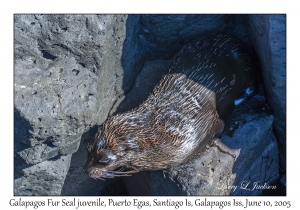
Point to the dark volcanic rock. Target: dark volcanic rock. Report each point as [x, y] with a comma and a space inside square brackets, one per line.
[161, 36]
[268, 34]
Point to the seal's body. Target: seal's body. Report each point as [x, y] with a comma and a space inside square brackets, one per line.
[181, 116]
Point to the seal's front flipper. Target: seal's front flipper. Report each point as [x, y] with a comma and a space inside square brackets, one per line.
[219, 128]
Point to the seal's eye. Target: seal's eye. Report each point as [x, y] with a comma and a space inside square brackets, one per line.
[104, 161]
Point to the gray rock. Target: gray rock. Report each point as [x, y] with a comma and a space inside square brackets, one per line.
[46, 178]
[61, 64]
[268, 35]
[207, 172]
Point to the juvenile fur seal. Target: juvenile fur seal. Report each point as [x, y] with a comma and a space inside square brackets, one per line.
[181, 116]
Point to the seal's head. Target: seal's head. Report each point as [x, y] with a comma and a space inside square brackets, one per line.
[106, 158]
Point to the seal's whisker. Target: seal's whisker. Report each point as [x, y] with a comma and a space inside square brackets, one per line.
[119, 175]
[120, 172]
[133, 171]
[121, 169]
[98, 177]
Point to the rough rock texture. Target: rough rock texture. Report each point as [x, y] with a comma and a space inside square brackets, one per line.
[207, 172]
[46, 178]
[68, 74]
[72, 71]
[268, 35]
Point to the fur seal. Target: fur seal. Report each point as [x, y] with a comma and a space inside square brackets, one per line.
[181, 116]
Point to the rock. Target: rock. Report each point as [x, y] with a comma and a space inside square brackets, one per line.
[46, 178]
[161, 33]
[164, 35]
[268, 35]
[207, 172]
[258, 158]
[61, 63]
[152, 183]
[133, 57]
[283, 180]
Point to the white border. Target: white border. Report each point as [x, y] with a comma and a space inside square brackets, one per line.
[8, 8]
